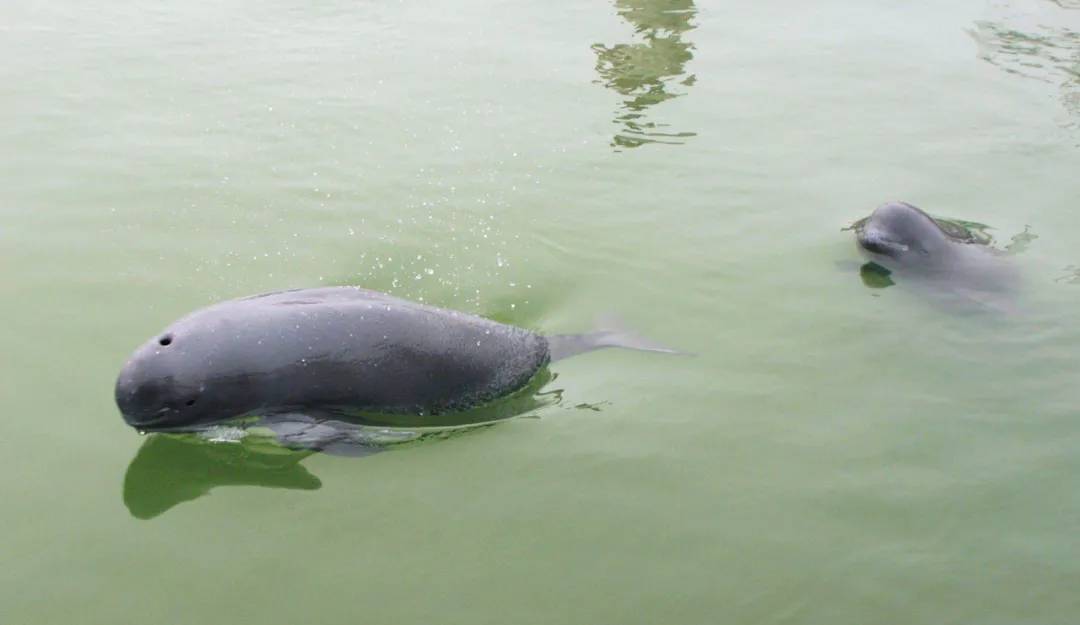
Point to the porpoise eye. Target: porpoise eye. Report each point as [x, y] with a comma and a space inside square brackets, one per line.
[165, 340]
[190, 402]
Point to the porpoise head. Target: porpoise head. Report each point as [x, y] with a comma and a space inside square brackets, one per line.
[898, 232]
[180, 379]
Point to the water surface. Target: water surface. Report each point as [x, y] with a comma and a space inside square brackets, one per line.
[834, 454]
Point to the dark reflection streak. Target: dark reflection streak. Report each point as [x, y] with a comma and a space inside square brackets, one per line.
[644, 72]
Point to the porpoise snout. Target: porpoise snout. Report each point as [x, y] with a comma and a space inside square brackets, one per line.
[135, 397]
[146, 398]
[876, 242]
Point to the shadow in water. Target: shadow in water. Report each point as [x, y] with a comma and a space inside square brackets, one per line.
[875, 276]
[649, 71]
[1026, 46]
[170, 469]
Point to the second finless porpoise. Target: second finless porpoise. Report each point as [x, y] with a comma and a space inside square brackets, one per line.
[938, 258]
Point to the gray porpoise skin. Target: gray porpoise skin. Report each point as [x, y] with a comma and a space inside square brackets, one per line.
[336, 350]
[915, 248]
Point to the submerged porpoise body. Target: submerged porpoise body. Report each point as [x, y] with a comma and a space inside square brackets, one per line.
[337, 351]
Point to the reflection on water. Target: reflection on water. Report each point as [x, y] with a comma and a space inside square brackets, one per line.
[169, 470]
[875, 276]
[1028, 47]
[649, 71]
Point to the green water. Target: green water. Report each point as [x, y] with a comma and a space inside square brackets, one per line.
[834, 454]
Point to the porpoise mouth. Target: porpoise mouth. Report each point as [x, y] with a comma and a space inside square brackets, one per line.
[162, 424]
[146, 422]
[875, 243]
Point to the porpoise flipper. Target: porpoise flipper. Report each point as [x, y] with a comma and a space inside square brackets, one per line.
[610, 332]
[301, 431]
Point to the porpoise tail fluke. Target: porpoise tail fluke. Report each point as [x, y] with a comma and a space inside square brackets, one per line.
[609, 332]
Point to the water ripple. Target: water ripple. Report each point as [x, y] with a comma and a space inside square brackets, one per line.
[1024, 46]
